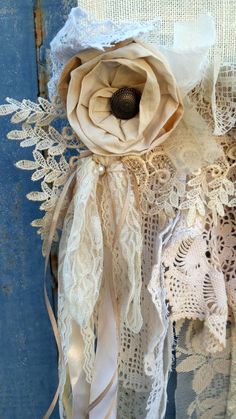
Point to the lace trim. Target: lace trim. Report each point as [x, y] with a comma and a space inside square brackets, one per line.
[200, 275]
[215, 97]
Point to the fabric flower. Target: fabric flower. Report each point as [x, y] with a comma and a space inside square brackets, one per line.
[88, 82]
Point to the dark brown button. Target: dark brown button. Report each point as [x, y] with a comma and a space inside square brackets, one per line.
[125, 103]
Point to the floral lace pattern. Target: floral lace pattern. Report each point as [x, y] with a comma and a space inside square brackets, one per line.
[49, 165]
[205, 365]
[195, 287]
[163, 187]
[207, 374]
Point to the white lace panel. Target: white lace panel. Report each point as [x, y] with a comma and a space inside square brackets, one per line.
[145, 358]
[198, 268]
[128, 247]
[203, 379]
[205, 349]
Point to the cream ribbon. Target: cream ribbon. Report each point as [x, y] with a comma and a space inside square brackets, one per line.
[79, 386]
[105, 369]
[103, 392]
[47, 255]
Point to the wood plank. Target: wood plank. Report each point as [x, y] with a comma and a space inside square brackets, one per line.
[28, 361]
[53, 15]
[27, 353]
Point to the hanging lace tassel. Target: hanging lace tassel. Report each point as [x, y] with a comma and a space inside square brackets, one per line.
[84, 267]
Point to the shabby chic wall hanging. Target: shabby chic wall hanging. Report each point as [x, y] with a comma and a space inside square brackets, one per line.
[139, 189]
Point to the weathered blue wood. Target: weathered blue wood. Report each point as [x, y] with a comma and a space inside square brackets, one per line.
[54, 15]
[28, 359]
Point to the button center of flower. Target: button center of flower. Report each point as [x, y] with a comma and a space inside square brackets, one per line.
[125, 103]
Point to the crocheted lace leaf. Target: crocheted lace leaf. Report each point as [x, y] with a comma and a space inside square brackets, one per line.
[163, 188]
[42, 113]
[49, 165]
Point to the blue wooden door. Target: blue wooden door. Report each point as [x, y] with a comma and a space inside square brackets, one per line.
[28, 358]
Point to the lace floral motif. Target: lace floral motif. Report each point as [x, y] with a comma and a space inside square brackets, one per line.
[200, 276]
[196, 290]
[50, 166]
[163, 187]
[210, 374]
[158, 186]
[201, 359]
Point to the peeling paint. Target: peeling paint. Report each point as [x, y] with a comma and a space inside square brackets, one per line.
[38, 25]
[39, 37]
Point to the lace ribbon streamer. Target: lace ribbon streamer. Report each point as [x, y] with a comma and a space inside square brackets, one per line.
[82, 279]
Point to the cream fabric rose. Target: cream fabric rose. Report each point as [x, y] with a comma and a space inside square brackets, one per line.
[90, 79]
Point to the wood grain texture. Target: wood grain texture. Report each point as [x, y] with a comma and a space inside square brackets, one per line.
[28, 359]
